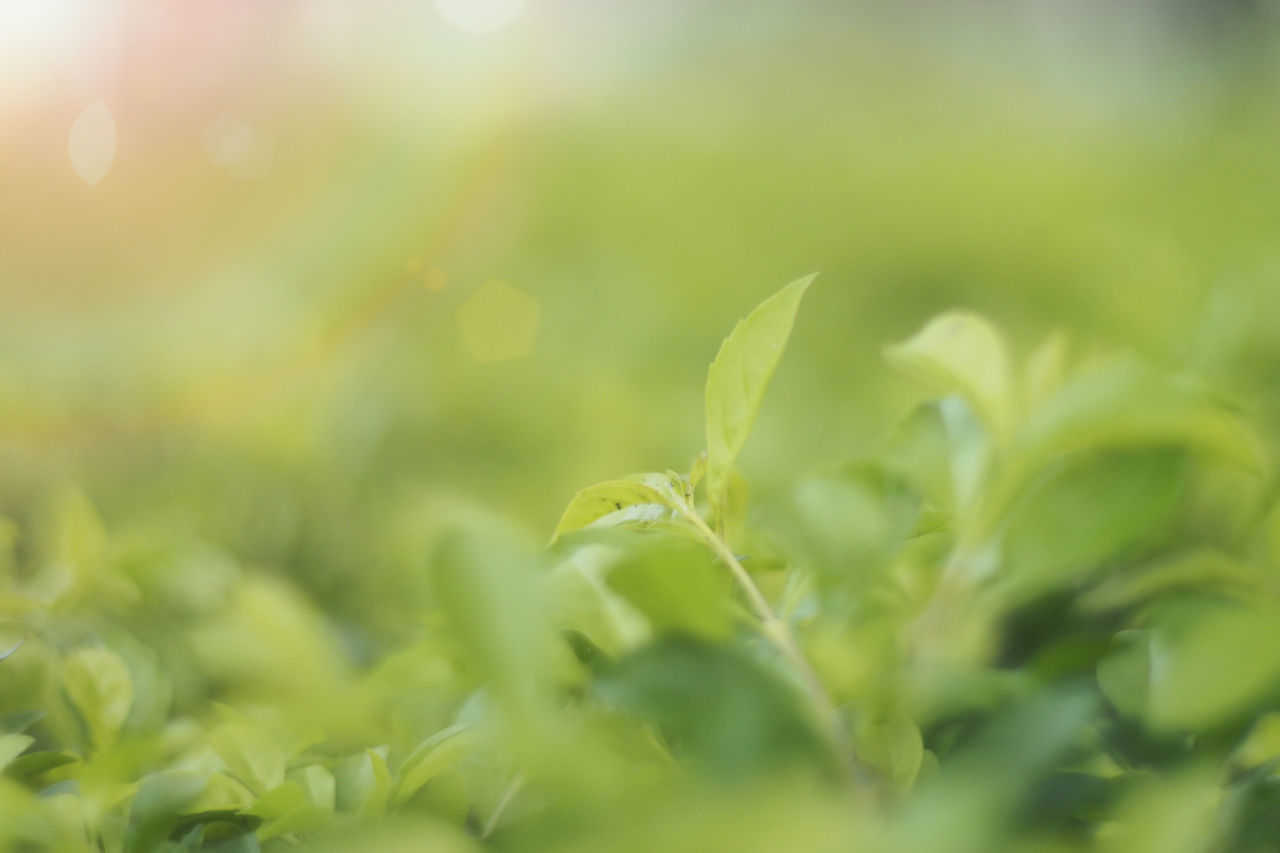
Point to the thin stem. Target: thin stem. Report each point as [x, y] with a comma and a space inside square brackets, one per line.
[777, 630]
[491, 824]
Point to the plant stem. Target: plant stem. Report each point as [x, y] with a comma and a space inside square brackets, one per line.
[491, 824]
[778, 631]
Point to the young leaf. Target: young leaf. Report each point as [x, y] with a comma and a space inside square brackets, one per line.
[739, 376]
[161, 801]
[434, 756]
[251, 757]
[961, 351]
[98, 684]
[639, 498]
[11, 746]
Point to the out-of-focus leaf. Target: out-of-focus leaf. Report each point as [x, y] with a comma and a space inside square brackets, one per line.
[270, 637]
[77, 550]
[846, 526]
[363, 784]
[19, 721]
[483, 578]
[1045, 370]
[968, 807]
[250, 756]
[1210, 661]
[223, 794]
[894, 747]
[11, 746]
[100, 687]
[739, 377]
[434, 756]
[920, 450]
[1120, 404]
[722, 710]
[1178, 815]
[583, 601]
[306, 819]
[317, 783]
[279, 801]
[1092, 509]
[161, 801]
[34, 763]
[1125, 675]
[1201, 570]
[1262, 745]
[677, 585]
[961, 351]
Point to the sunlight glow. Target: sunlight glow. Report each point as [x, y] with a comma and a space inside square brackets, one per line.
[480, 16]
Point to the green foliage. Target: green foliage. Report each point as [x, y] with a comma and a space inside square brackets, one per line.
[1042, 613]
[738, 378]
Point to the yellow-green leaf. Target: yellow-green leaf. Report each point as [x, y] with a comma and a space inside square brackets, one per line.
[639, 498]
[11, 746]
[739, 376]
[98, 684]
[434, 756]
[963, 352]
[250, 756]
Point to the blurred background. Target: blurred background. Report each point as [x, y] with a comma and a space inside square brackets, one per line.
[277, 278]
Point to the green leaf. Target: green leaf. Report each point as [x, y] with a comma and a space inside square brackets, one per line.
[306, 819]
[363, 784]
[738, 378]
[1203, 571]
[489, 584]
[98, 683]
[161, 801]
[894, 747]
[584, 602]
[34, 763]
[1262, 745]
[1123, 404]
[677, 585]
[1094, 508]
[250, 757]
[279, 801]
[962, 351]
[437, 754]
[318, 784]
[1212, 661]
[721, 709]
[641, 498]
[11, 746]
[846, 526]
[1125, 675]
[19, 721]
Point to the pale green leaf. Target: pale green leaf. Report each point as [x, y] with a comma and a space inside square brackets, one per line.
[963, 352]
[363, 783]
[639, 498]
[250, 756]
[318, 784]
[98, 684]
[738, 378]
[437, 754]
[161, 800]
[11, 746]
[305, 819]
[279, 801]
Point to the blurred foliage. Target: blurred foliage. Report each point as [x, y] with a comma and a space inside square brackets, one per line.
[282, 458]
[1042, 614]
